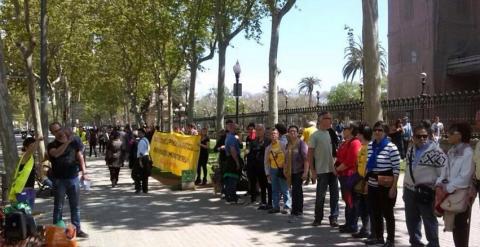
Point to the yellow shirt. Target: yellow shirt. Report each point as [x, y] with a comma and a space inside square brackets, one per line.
[307, 132]
[276, 156]
[362, 160]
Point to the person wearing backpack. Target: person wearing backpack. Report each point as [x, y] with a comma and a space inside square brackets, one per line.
[425, 160]
[113, 157]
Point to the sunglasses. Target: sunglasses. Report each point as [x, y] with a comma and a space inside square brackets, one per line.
[421, 136]
[378, 130]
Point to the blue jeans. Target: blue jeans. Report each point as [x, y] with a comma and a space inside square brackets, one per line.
[230, 188]
[279, 187]
[415, 213]
[326, 181]
[71, 188]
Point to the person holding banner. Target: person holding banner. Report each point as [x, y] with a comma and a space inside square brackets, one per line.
[203, 159]
[233, 164]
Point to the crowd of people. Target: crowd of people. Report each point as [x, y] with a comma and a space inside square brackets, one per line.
[352, 161]
[362, 163]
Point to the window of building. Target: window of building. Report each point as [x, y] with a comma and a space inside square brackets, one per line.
[408, 9]
[413, 56]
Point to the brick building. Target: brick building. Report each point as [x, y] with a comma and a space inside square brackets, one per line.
[439, 37]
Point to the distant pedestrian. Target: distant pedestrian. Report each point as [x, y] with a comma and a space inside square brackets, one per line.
[396, 135]
[113, 157]
[203, 157]
[321, 149]
[93, 141]
[407, 135]
[437, 129]
[103, 140]
[307, 133]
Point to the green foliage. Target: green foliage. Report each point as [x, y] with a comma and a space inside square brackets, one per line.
[343, 93]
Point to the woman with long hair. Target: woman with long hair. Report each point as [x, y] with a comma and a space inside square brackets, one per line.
[113, 157]
[203, 158]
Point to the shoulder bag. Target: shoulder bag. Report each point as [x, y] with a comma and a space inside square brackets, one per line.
[280, 169]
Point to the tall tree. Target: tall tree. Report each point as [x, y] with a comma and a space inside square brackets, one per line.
[232, 17]
[7, 138]
[355, 58]
[278, 9]
[307, 85]
[200, 37]
[25, 42]
[372, 76]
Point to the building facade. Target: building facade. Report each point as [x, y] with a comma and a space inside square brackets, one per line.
[438, 37]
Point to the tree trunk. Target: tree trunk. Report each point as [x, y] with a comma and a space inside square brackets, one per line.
[7, 138]
[191, 97]
[309, 99]
[67, 104]
[43, 68]
[222, 51]
[272, 71]
[372, 76]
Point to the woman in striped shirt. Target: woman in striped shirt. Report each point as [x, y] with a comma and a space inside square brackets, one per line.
[383, 167]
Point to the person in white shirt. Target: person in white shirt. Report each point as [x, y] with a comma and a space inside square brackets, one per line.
[437, 129]
[457, 174]
[143, 168]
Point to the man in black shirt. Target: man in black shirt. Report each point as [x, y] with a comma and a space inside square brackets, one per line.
[67, 160]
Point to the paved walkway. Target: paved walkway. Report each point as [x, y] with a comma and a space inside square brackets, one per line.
[119, 217]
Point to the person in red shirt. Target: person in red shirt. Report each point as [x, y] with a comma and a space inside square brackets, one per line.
[346, 167]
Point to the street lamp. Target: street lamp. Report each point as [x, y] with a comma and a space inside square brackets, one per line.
[261, 101]
[286, 109]
[237, 88]
[361, 91]
[318, 98]
[176, 114]
[361, 101]
[161, 98]
[423, 95]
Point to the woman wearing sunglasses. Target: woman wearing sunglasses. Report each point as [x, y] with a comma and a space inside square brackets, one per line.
[383, 167]
[425, 160]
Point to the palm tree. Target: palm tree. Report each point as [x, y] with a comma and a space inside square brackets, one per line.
[306, 85]
[354, 56]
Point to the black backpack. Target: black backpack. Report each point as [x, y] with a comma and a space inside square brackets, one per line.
[18, 226]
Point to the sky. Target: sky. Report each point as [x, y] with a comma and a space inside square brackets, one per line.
[312, 43]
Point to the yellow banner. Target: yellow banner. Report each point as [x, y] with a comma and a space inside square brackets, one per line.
[174, 152]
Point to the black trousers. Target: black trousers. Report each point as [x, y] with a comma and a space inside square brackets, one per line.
[297, 194]
[114, 172]
[461, 232]
[382, 207]
[102, 147]
[140, 177]
[202, 165]
[256, 174]
[94, 147]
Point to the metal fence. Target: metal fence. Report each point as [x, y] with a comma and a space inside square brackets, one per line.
[450, 107]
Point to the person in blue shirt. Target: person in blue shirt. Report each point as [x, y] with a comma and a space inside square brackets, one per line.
[232, 164]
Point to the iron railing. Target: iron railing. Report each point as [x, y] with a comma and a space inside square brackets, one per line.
[450, 107]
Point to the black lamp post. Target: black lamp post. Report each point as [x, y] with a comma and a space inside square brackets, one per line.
[318, 98]
[286, 109]
[261, 101]
[237, 88]
[423, 95]
[361, 91]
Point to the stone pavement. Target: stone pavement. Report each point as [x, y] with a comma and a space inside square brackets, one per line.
[119, 217]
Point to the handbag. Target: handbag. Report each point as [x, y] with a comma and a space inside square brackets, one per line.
[280, 173]
[456, 202]
[423, 193]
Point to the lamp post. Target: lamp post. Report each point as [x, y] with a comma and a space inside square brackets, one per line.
[261, 101]
[237, 88]
[286, 109]
[423, 95]
[318, 98]
[161, 98]
[176, 110]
